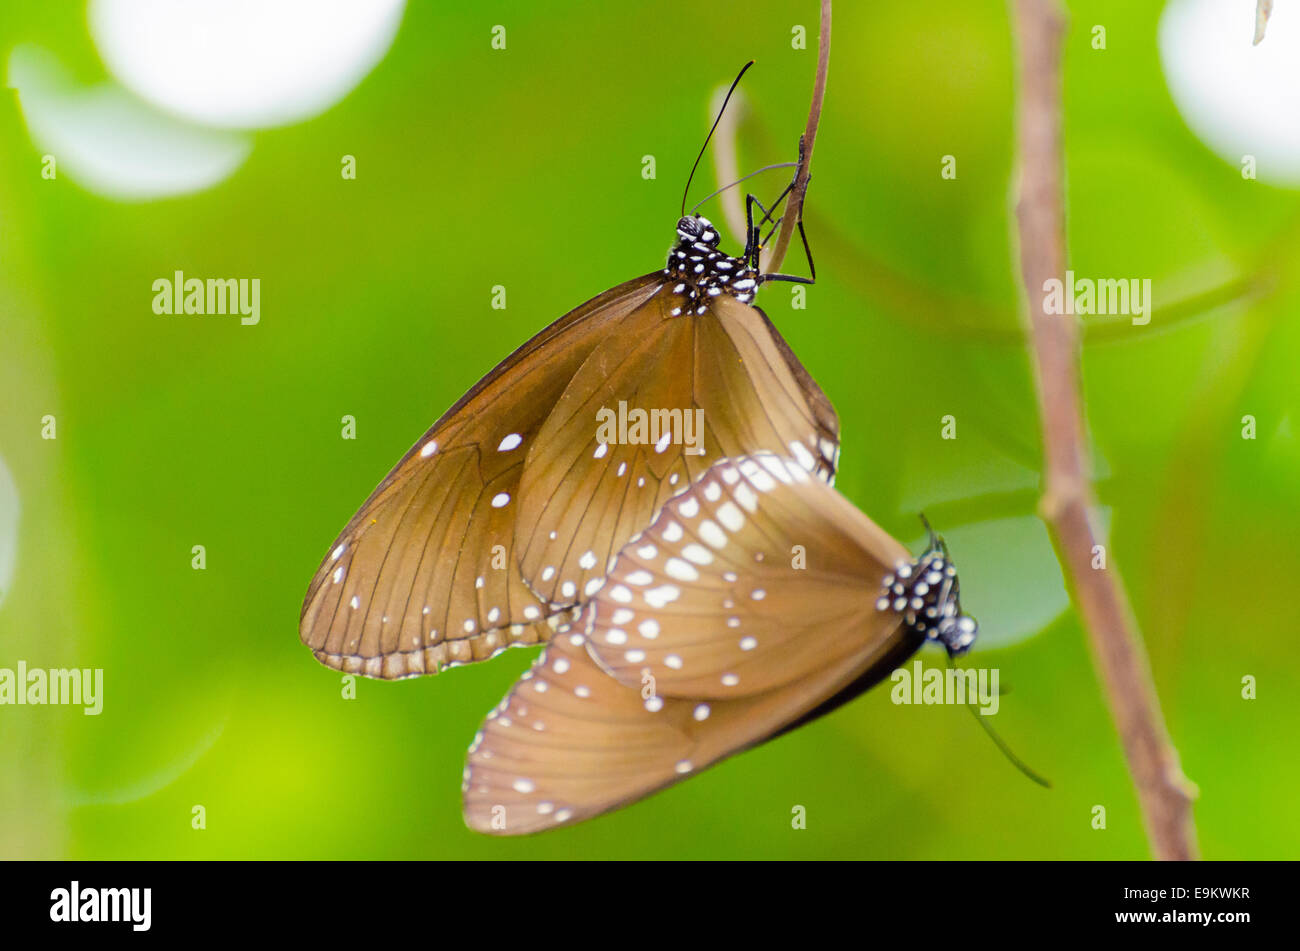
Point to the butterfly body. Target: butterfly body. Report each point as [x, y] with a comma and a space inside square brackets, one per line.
[701, 271]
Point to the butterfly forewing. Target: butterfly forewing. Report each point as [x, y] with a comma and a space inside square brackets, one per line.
[720, 381]
[590, 728]
[425, 573]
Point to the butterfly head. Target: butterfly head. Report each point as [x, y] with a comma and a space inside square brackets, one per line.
[927, 594]
[697, 231]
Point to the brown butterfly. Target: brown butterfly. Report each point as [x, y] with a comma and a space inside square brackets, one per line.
[503, 517]
[757, 600]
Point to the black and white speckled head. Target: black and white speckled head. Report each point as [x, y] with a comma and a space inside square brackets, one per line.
[701, 271]
[694, 229]
[927, 594]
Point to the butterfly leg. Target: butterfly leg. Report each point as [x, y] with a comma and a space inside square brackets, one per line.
[807, 252]
[752, 244]
[767, 216]
[812, 268]
[789, 278]
[755, 245]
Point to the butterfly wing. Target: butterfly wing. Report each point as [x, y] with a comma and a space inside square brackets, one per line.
[425, 573]
[726, 370]
[604, 719]
[758, 576]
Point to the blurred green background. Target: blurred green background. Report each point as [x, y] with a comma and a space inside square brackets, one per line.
[523, 167]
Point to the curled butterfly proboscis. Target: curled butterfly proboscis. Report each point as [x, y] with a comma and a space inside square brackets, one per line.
[707, 638]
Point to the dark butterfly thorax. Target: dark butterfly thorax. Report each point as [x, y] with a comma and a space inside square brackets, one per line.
[927, 594]
[702, 271]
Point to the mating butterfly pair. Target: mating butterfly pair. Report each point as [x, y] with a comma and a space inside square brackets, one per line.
[680, 628]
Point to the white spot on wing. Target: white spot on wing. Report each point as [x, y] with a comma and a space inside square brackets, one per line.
[698, 554]
[730, 516]
[662, 595]
[710, 532]
[803, 456]
[680, 570]
[746, 497]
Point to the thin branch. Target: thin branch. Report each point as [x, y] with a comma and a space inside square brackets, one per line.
[1164, 793]
[794, 207]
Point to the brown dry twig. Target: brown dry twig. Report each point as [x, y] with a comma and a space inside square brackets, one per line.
[1164, 793]
[794, 207]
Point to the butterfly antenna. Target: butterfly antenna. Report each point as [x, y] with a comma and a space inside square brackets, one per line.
[1001, 744]
[734, 84]
[757, 171]
[926, 522]
[936, 542]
